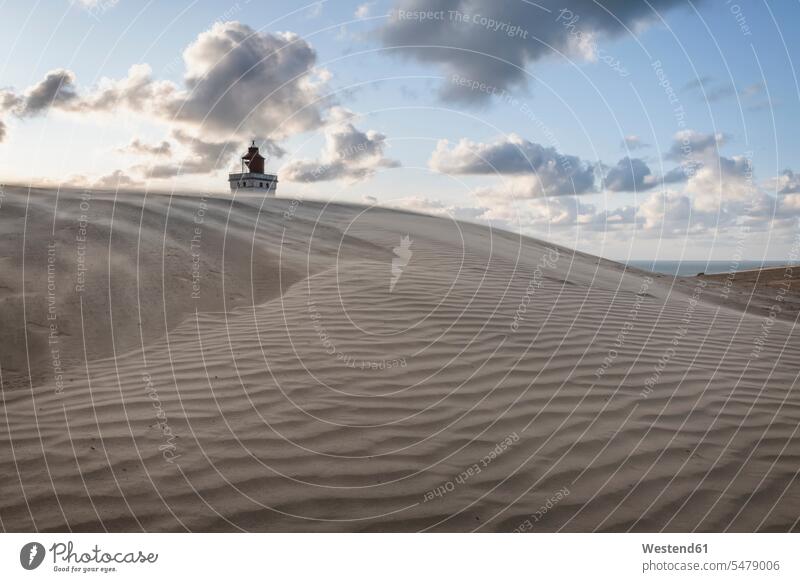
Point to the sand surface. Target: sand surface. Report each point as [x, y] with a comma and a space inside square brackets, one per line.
[302, 368]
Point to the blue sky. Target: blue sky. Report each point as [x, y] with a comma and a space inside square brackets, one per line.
[728, 64]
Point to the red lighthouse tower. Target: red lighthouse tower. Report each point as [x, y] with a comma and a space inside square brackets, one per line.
[251, 178]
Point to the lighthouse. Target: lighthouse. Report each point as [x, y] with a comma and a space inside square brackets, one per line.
[252, 179]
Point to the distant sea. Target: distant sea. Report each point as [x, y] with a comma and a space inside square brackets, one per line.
[690, 268]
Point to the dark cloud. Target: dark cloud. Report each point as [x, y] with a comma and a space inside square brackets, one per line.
[9, 101]
[349, 153]
[630, 175]
[634, 175]
[677, 175]
[557, 174]
[493, 41]
[738, 166]
[57, 90]
[3, 131]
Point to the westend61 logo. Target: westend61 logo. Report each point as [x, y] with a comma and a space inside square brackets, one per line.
[66, 559]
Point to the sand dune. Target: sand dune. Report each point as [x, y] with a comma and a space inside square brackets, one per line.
[271, 377]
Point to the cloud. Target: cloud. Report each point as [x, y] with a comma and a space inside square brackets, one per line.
[662, 208]
[242, 82]
[425, 205]
[630, 175]
[697, 83]
[689, 145]
[789, 205]
[363, 10]
[315, 10]
[349, 153]
[493, 42]
[237, 82]
[135, 92]
[3, 131]
[115, 180]
[545, 171]
[719, 193]
[726, 183]
[138, 147]
[203, 157]
[679, 174]
[632, 143]
[550, 213]
[634, 175]
[97, 4]
[421, 204]
[708, 89]
[753, 90]
[787, 183]
[56, 90]
[719, 93]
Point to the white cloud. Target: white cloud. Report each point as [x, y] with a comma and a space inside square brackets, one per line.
[315, 10]
[363, 10]
[95, 5]
[665, 207]
[541, 171]
[349, 153]
[787, 183]
[632, 143]
[238, 84]
[726, 181]
[115, 180]
[242, 82]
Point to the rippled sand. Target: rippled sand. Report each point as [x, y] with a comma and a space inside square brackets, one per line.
[270, 378]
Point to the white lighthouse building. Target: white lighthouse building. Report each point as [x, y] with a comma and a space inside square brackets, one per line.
[252, 178]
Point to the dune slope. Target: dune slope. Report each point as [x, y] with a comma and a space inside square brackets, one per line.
[311, 367]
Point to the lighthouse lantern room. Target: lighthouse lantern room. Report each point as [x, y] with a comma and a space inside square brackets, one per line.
[252, 179]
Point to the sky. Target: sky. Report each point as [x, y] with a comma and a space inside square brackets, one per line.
[633, 130]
